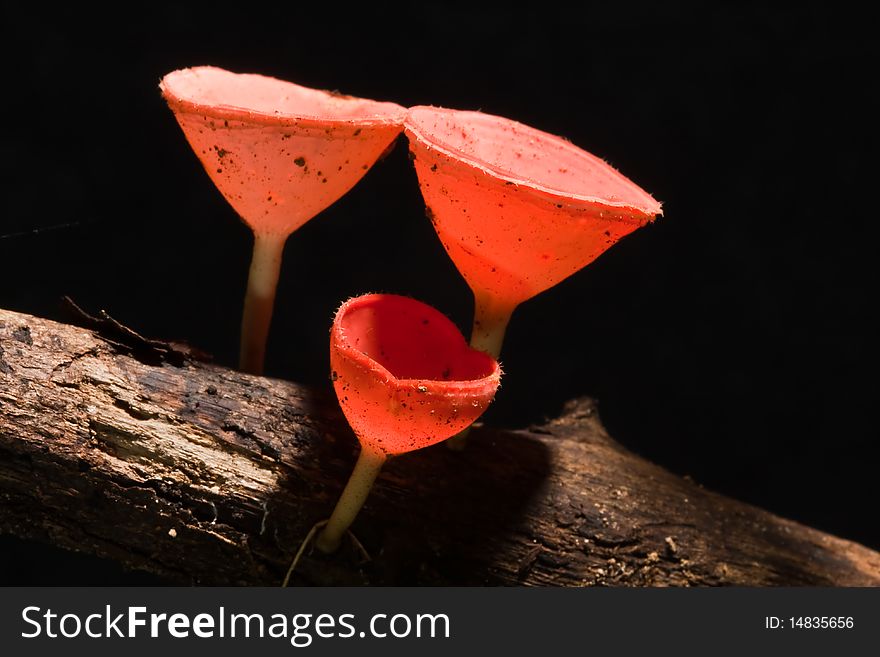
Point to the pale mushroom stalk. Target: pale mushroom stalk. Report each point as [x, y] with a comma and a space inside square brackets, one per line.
[491, 317]
[259, 300]
[354, 495]
[357, 489]
[490, 324]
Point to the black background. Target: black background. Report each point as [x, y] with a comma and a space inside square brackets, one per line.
[731, 341]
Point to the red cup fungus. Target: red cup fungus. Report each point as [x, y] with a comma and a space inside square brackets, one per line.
[518, 210]
[279, 153]
[406, 379]
[405, 376]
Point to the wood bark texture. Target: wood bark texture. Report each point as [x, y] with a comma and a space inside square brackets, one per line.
[133, 450]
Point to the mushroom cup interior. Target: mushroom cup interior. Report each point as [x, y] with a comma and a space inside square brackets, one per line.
[412, 340]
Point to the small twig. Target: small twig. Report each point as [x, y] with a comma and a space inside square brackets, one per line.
[127, 339]
[302, 548]
[32, 232]
[365, 556]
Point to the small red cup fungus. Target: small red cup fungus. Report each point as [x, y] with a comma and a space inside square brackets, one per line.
[279, 153]
[406, 379]
[518, 210]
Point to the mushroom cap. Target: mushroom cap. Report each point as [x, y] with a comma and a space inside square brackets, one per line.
[280, 153]
[517, 209]
[404, 374]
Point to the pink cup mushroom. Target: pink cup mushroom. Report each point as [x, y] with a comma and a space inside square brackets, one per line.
[406, 379]
[518, 210]
[279, 153]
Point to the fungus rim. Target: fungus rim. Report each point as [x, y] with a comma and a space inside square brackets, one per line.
[641, 213]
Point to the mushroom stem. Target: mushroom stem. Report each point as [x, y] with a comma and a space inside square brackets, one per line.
[490, 322]
[357, 489]
[260, 300]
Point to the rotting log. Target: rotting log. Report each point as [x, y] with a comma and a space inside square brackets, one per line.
[135, 451]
